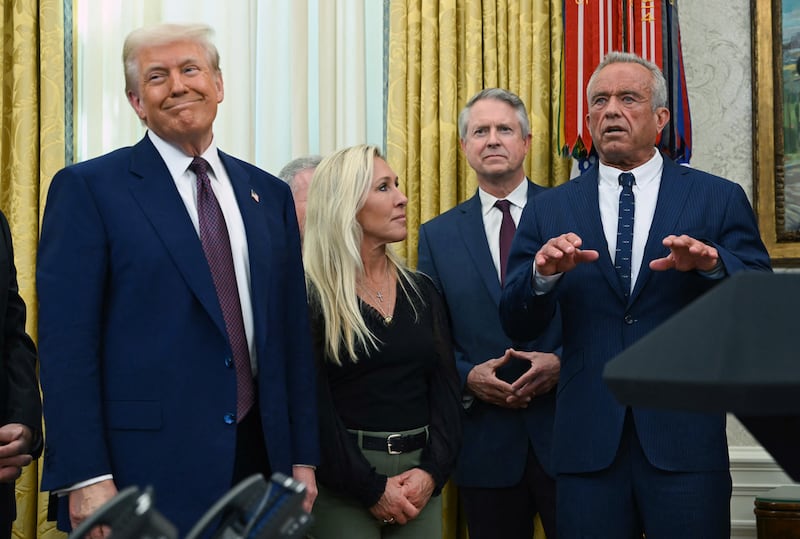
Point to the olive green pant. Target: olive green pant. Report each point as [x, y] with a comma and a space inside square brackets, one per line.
[337, 517]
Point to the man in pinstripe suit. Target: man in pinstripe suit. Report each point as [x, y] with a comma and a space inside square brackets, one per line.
[624, 471]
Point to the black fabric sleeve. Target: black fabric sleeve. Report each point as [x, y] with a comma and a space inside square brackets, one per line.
[23, 404]
[444, 394]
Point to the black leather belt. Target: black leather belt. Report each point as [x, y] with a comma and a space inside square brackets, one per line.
[394, 444]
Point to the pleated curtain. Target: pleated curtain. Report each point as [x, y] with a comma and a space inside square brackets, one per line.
[441, 53]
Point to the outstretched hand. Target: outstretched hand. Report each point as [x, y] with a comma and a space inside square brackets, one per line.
[686, 254]
[562, 254]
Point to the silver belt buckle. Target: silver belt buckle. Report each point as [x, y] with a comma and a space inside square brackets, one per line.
[389, 440]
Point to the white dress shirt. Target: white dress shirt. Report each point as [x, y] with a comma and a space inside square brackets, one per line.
[645, 195]
[493, 217]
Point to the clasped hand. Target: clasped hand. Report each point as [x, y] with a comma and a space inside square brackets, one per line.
[15, 442]
[540, 377]
[404, 497]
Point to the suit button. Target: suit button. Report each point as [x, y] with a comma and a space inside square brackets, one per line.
[628, 319]
[229, 362]
[229, 419]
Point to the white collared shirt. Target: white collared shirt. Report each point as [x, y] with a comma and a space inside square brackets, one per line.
[186, 182]
[493, 217]
[645, 193]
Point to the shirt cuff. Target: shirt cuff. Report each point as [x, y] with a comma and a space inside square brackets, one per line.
[716, 273]
[81, 484]
[542, 284]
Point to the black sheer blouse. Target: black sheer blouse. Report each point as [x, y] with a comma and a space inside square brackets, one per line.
[410, 381]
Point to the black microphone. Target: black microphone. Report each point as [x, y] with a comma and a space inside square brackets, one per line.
[253, 509]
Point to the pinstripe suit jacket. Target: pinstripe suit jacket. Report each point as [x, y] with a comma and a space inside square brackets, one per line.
[599, 322]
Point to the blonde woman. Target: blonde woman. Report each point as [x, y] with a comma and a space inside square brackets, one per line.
[388, 388]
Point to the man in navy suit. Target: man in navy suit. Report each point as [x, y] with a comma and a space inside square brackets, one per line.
[140, 348]
[624, 471]
[503, 468]
[20, 406]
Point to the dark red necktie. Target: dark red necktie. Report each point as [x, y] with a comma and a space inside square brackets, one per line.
[507, 229]
[217, 247]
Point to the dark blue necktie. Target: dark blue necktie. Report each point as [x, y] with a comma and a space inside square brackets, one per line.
[627, 204]
[217, 247]
[507, 229]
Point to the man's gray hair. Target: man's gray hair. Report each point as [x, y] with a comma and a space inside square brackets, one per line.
[290, 170]
[498, 94]
[658, 85]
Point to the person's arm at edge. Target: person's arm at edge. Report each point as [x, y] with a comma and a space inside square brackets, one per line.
[23, 401]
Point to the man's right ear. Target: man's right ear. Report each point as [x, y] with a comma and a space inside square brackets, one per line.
[136, 103]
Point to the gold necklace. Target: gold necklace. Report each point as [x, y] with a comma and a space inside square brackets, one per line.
[377, 295]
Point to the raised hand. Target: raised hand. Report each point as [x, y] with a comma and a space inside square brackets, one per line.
[562, 254]
[686, 254]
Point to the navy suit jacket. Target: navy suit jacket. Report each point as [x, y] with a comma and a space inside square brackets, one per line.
[454, 252]
[134, 352]
[599, 323]
[19, 388]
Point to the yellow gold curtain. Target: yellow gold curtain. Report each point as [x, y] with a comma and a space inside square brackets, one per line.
[31, 151]
[441, 52]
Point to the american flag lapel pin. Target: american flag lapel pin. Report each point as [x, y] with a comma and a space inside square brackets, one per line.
[254, 195]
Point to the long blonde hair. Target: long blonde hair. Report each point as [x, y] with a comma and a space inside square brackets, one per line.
[332, 249]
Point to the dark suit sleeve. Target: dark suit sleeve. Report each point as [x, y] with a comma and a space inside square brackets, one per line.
[426, 264]
[525, 315]
[300, 364]
[739, 246]
[23, 404]
[71, 280]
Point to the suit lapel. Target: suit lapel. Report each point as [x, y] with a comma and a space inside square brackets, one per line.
[473, 234]
[257, 230]
[673, 193]
[586, 208]
[158, 197]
